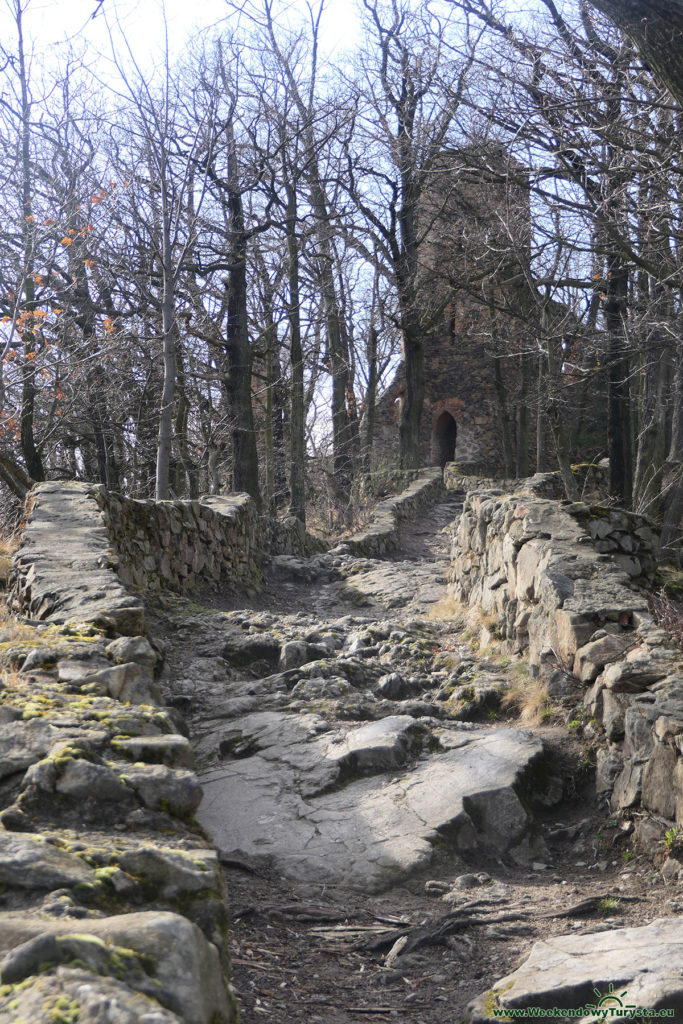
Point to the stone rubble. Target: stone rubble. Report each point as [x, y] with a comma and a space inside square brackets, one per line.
[352, 749]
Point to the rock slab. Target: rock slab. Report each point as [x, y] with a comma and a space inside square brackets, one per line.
[374, 831]
[620, 969]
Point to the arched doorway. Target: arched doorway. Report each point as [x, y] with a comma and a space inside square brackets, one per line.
[444, 436]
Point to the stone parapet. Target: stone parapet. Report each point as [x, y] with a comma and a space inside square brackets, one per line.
[182, 545]
[83, 546]
[65, 570]
[288, 537]
[382, 534]
[110, 894]
[566, 583]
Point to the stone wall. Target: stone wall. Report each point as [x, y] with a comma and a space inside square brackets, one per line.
[82, 546]
[65, 569]
[566, 582]
[183, 544]
[382, 534]
[112, 902]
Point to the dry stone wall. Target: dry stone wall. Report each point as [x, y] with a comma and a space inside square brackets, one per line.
[183, 544]
[112, 901]
[65, 569]
[382, 534]
[566, 583]
[83, 545]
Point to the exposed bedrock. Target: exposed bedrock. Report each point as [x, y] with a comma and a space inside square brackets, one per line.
[369, 805]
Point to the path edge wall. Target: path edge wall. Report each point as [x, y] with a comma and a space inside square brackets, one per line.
[382, 533]
[567, 583]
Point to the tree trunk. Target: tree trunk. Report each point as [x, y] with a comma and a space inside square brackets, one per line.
[187, 474]
[526, 369]
[540, 415]
[297, 412]
[29, 448]
[370, 399]
[557, 414]
[673, 474]
[268, 425]
[14, 477]
[618, 388]
[161, 490]
[656, 27]
[237, 381]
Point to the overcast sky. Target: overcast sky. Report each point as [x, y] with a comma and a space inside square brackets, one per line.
[48, 23]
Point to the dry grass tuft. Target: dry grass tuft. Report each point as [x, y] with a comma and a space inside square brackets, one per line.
[449, 608]
[528, 698]
[9, 545]
[11, 628]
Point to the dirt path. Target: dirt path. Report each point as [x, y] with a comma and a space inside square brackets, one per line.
[309, 951]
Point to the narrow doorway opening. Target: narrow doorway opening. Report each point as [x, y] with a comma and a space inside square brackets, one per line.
[443, 440]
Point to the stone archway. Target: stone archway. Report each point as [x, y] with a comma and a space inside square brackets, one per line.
[444, 435]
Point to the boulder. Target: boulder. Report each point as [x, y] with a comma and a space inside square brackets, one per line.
[603, 971]
[590, 659]
[177, 968]
[372, 832]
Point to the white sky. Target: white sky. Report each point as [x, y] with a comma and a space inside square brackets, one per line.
[49, 23]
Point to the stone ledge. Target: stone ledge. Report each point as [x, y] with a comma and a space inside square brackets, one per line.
[109, 889]
[64, 570]
[382, 533]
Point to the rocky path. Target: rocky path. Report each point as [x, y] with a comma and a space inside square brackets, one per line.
[394, 842]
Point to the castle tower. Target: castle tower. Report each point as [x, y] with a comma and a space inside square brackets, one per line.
[474, 294]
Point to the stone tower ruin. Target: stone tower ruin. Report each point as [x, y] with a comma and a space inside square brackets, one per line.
[474, 293]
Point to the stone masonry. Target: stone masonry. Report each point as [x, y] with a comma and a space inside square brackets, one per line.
[565, 583]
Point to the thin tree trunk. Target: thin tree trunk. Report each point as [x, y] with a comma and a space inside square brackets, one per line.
[370, 399]
[268, 425]
[673, 474]
[522, 463]
[297, 440]
[618, 391]
[29, 448]
[161, 490]
[557, 415]
[501, 395]
[540, 415]
[656, 27]
[187, 475]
